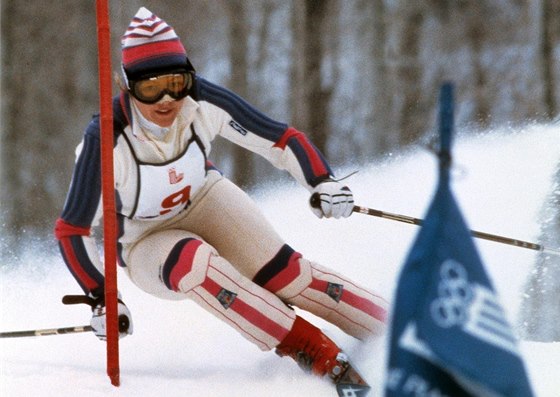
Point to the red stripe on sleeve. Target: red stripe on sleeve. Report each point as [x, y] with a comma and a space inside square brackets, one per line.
[63, 229]
[283, 141]
[317, 165]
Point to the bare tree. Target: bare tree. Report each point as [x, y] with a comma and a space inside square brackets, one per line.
[310, 96]
[382, 99]
[550, 33]
[404, 71]
[475, 34]
[48, 76]
[242, 167]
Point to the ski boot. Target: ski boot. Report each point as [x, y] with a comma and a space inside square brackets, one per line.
[314, 352]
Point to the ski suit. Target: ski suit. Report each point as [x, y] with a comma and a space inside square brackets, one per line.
[186, 231]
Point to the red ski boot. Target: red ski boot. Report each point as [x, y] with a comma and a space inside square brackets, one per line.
[313, 351]
[316, 353]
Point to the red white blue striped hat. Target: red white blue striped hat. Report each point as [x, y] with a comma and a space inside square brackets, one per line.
[150, 46]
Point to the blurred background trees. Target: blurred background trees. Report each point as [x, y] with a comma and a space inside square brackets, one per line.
[360, 77]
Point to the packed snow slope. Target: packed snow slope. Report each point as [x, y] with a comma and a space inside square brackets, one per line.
[500, 179]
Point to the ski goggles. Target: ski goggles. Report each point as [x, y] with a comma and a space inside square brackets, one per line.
[151, 90]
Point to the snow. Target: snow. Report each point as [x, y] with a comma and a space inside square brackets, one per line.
[500, 180]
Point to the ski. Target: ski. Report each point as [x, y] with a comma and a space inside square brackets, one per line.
[350, 383]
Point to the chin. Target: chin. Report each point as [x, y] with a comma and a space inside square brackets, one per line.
[165, 124]
[164, 121]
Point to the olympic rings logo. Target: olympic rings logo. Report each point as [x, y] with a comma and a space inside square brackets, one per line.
[455, 295]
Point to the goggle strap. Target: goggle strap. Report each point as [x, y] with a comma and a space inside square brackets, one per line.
[125, 77]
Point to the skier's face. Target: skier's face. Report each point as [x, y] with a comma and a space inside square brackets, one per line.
[162, 113]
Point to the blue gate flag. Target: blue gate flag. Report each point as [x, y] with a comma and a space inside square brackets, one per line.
[449, 334]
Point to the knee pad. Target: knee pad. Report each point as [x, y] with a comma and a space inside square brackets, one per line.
[186, 265]
[286, 274]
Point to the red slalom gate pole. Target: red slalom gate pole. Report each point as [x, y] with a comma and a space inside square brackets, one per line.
[108, 189]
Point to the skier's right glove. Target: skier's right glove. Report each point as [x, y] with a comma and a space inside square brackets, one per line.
[99, 315]
[99, 320]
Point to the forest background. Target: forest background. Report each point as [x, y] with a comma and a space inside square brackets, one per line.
[360, 77]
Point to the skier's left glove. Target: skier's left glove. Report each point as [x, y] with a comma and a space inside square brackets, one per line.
[332, 199]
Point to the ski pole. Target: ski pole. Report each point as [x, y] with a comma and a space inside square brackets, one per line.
[315, 202]
[123, 322]
[46, 332]
[474, 233]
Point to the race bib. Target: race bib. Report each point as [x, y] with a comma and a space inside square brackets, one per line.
[165, 189]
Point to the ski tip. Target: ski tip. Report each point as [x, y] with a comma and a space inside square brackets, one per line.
[352, 390]
[351, 384]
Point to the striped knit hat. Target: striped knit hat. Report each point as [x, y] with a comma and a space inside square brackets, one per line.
[150, 45]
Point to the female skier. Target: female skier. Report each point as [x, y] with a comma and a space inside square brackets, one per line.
[186, 231]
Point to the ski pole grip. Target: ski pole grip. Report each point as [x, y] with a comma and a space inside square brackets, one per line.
[78, 299]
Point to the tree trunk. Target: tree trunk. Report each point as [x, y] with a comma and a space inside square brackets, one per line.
[475, 37]
[311, 98]
[242, 171]
[548, 36]
[405, 73]
[382, 102]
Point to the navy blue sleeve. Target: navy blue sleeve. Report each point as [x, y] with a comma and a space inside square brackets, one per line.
[85, 189]
[240, 110]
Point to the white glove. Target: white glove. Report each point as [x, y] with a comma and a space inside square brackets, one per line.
[99, 321]
[332, 199]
